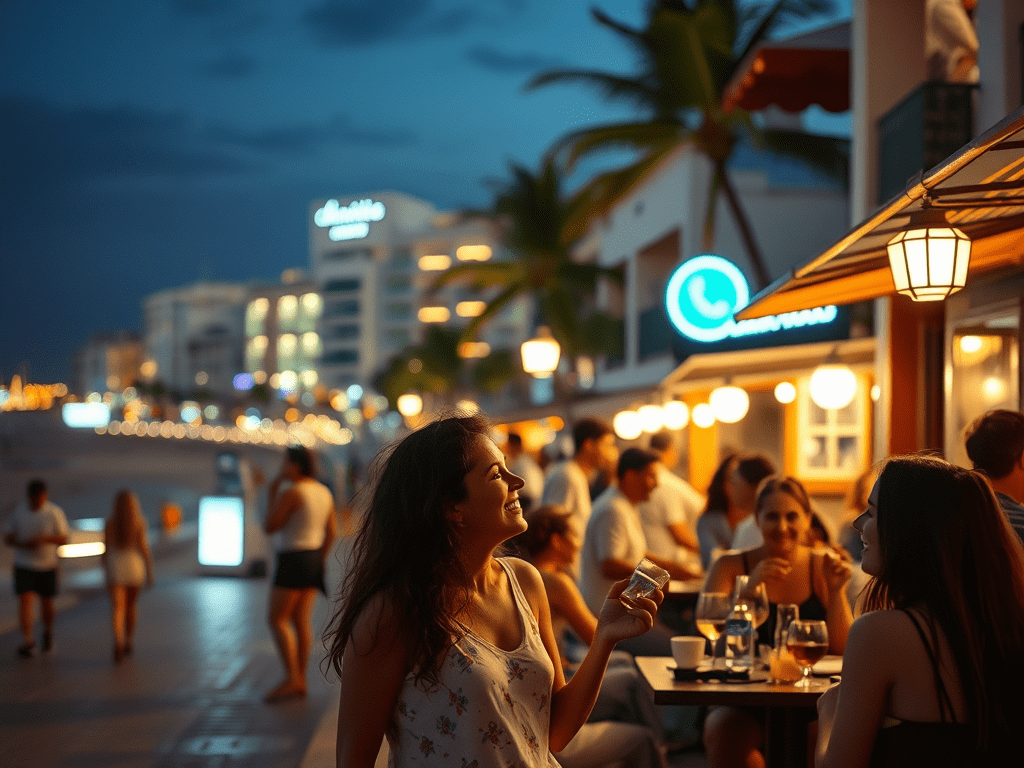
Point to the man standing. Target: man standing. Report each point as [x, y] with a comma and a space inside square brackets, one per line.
[35, 530]
[521, 463]
[669, 517]
[568, 483]
[995, 445]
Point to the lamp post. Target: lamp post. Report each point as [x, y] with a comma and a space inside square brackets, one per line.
[929, 259]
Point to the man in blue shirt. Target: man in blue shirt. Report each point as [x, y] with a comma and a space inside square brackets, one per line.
[995, 445]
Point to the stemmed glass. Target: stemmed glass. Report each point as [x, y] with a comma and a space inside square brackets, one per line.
[712, 610]
[807, 640]
[757, 601]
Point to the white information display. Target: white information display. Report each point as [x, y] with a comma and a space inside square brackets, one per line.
[221, 531]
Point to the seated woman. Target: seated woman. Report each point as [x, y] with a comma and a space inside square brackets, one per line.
[441, 643]
[625, 724]
[792, 572]
[730, 501]
[932, 674]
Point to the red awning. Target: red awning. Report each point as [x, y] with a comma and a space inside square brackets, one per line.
[813, 68]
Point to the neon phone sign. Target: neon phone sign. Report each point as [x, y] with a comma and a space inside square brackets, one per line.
[705, 292]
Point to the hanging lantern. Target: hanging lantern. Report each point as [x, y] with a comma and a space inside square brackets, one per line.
[929, 259]
[627, 425]
[702, 416]
[652, 418]
[785, 392]
[677, 414]
[540, 354]
[729, 403]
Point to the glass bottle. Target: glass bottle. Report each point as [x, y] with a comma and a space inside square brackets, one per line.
[739, 631]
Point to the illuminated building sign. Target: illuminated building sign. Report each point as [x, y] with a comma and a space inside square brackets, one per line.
[350, 222]
[705, 292]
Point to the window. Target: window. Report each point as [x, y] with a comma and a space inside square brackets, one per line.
[402, 258]
[351, 253]
[343, 332]
[340, 286]
[398, 338]
[341, 308]
[341, 357]
[831, 444]
[255, 315]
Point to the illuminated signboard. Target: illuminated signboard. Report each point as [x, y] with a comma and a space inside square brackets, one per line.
[705, 292]
[349, 222]
[85, 415]
[221, 530]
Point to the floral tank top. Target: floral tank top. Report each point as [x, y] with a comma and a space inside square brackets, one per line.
[492, 708]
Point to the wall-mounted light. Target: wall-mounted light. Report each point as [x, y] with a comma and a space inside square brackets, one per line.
[929, 259]
[729, 403]
[833, 385]
[540, 354]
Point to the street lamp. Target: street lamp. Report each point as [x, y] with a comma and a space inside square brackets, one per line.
[929, 260]
[540, 354]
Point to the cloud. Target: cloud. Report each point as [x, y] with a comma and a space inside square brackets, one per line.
[40, 144]
[491, 58]
[231, 66]
[365, 22]
[305, 139]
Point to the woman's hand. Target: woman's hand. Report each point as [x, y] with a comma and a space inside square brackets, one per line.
[770, 568]
[617, 621]
[836, 570]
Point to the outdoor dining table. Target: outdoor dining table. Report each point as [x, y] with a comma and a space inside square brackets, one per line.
[789, 709]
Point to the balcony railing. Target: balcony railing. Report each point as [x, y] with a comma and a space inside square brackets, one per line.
[929, 125]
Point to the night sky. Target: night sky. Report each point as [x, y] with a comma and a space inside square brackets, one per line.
[149, 145]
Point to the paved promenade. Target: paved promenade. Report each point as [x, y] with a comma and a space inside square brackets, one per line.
[189, 696]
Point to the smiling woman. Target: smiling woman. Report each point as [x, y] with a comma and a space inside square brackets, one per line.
[432, 621]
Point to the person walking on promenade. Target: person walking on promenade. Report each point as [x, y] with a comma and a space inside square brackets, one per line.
[931, 672]
[305, 520]
[35, 530]
[995, 445]
[128, 565]
[443, 645]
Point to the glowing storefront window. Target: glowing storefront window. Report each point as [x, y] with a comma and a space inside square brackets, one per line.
[435, 263]
[255, 315]
[473, 252]
[287, 345]
[287, 312]
[254, 352]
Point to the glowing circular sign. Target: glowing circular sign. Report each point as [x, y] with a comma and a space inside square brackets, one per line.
[703, 294]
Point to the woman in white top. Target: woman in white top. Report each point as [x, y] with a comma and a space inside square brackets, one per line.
[443, 646]
[127, 564]
[304, 518]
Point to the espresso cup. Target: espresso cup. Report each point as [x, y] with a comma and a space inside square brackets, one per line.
[688, 651]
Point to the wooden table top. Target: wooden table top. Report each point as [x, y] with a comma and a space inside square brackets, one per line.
[657, 673]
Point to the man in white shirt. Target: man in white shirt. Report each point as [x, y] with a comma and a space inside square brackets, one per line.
[521, 463]
[568, 483]
[614, 543]
[669, 517]
[35, 530]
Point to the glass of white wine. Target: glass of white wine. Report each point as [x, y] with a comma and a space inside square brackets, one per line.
[807, 640]
[712, 610]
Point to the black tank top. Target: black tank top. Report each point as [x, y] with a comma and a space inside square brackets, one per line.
[811, 608]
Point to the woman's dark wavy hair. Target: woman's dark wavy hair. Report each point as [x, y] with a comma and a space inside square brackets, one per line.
[542, 523]
[407, 548]
[946, 547]
[717, 499]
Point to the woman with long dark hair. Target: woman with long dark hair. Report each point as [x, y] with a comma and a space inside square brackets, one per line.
[932, 672]
[304, 519]
[730, 500]
[443, 645]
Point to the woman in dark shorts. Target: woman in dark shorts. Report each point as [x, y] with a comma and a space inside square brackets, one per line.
[304, 519]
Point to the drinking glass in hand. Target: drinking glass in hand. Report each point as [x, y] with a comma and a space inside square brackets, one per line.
[808, 642]
[646, 578]
[713, 609]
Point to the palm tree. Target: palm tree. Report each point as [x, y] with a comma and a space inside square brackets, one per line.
[688, 52]
[539, 225]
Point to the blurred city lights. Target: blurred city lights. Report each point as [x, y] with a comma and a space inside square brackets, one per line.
[627, 425]
[702, 415]
[652, 418]
[355, 393]
[729, 404]
[677, 414]
[785, 392]
[243, 382]
[473, 252]
[435, 263]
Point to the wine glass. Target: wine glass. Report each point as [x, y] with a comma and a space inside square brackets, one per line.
[757, 601]
[807, 640]
[712, 610]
